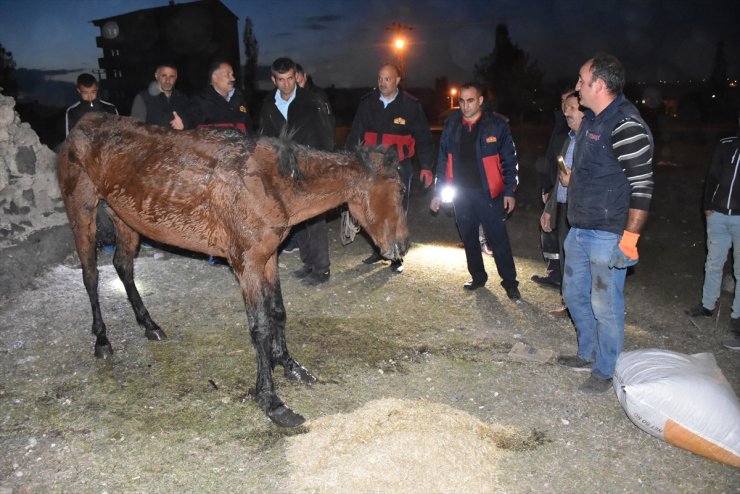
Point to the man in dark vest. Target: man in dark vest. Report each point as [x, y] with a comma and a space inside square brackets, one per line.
[609, 195]
[161, 103]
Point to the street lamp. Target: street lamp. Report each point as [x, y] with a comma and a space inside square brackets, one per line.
[400, 44]
[453, 95]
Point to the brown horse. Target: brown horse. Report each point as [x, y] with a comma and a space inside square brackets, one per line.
[219, 193]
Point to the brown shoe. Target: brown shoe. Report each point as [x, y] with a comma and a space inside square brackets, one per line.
[560, 313]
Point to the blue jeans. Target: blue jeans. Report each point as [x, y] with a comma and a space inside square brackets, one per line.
[723, 232]
[594, 295]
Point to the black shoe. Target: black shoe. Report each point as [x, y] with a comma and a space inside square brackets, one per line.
[734, 342]
[316, 278]
[595, 386]
[474, 285]
[397, 266]
[513, 293]
[576, 363]
[373, 258]
[546, 281]
[735, 326]
[305, 271]
[699, 310]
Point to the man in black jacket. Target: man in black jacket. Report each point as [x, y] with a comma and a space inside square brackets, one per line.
[161, 104]
[221, 104]
[549, 240]
[388, 117]
[299, 112]
[87, 87]
[722, 209]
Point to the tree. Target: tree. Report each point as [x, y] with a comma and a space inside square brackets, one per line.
[7, 73]
[251, 50]
[514, 81]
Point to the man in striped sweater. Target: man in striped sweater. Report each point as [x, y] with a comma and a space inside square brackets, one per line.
[609, 196]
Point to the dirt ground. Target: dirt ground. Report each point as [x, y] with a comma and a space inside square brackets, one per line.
[175, 416]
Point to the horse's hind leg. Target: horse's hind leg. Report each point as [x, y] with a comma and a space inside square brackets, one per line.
[291, 369]
[127, 240]
[81, 202]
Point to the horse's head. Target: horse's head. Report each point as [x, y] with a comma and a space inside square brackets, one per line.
[379, 208]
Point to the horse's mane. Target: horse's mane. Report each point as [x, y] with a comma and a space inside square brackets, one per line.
[288, 152]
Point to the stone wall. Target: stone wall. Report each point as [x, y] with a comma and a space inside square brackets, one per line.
[30, 200]
[34, 232]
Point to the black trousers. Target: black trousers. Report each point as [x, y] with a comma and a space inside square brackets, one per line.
[552, 244]
[474, 207]
[313, 243]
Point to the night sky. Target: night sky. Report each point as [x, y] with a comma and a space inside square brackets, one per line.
[342, 42]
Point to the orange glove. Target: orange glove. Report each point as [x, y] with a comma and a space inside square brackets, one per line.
[426, 178]
[628, 244]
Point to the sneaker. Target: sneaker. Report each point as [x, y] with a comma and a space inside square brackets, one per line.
[699, 310]
[513, 293]
[108, 249]
[485, 249]
[733, 343]
[576, 363]
[304, 272]
[316, 278]
[372, 258]
[546, 281]
[595, 386]
[211, 261]
[397, 266]
[290, 245]
[474, 285]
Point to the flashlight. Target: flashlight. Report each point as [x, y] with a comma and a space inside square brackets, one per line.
[448, 193]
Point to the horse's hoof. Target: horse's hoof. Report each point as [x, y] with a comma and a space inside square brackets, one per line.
[285, 417]
[103, 351]
[155, 334]
[296, 372]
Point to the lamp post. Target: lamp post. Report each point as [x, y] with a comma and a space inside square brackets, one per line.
[453, 95]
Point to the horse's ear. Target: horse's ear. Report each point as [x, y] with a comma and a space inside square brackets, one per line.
[391, 157]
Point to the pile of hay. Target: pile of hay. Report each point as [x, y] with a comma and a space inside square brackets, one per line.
[396, 446]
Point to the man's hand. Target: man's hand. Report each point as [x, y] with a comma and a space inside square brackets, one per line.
[565, 178]
[509, 204]
[625, 254]
[426, 178]
[176, 122]
[435, 204]
[545, 222]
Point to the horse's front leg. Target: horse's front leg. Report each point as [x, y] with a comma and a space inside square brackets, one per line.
[280, 355]
[258, 301]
